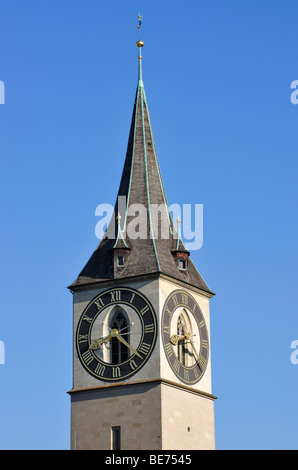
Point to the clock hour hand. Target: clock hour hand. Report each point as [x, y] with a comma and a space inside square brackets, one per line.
[97, 343]
[175, 339]
[128, 345]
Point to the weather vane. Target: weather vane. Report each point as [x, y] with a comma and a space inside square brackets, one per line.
[139, 25]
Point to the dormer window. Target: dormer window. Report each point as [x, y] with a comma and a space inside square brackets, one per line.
[120, 261]
[182, 264]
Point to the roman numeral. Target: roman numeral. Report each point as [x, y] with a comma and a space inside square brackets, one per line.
[204, 343]
[100, 369]
[144, 310]
[87, 319]
[169, 350]
[175, 300]
[186, 375]
[115, 295]
[169, 311]
[149, 328]
[132, 297]
[144, 349]
[116, 372]
[132, 364]
[176, 366]
[201, 324]
[83, 338]
[87, 357]
[166, 329]
[99, 303]
[184, 299]
[202, 362]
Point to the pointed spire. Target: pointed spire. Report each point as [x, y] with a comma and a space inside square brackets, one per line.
[141, 184]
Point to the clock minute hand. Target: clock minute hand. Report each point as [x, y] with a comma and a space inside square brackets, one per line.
[193, 346]
[128, 345]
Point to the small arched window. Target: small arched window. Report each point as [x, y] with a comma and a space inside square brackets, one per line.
[119, 321]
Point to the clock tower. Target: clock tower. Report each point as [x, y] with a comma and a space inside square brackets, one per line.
[141, 324]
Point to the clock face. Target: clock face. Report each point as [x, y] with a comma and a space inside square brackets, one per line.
[185, 337]
[116, 334]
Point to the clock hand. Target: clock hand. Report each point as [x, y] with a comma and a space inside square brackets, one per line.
[97, 343]
[175, 339]
[125, 328]
[128, 345]
[194, 349]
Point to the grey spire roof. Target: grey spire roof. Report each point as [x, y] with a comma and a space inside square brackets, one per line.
[141, 183]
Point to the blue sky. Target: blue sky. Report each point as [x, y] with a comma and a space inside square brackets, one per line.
[217, 77]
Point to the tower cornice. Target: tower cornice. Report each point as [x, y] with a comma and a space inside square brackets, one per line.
[94, 285]
[142, 383]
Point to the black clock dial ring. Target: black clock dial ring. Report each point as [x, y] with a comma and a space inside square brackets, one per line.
[199, 346]
[117, 371]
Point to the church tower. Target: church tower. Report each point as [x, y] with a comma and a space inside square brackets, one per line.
[141, 329]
